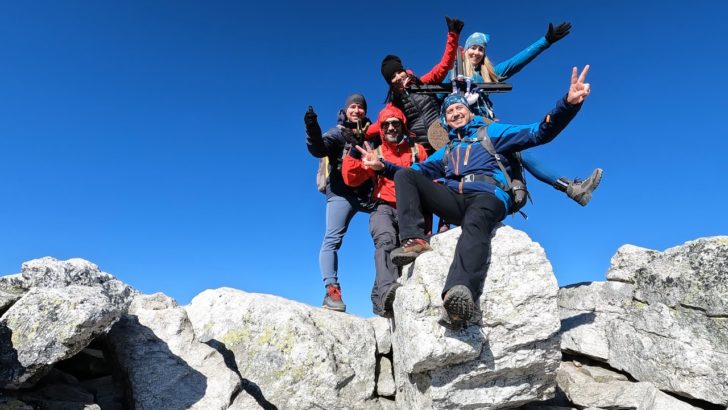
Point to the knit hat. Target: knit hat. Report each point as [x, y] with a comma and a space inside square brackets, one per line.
[391, 65]
[355, 99]
[478, 39]
[450, 100]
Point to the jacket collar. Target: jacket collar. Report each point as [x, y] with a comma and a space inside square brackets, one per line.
[469, 130]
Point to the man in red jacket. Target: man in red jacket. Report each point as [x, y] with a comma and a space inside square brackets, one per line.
[397, 148]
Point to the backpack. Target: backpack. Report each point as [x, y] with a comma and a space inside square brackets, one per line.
[515, 185]
[322, 174]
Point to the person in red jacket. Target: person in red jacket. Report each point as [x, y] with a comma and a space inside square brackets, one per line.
[397, 148]
[421, 110]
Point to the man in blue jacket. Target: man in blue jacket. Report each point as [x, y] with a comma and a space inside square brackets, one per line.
[469, 190]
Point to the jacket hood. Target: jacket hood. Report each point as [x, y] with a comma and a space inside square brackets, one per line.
[390, 111]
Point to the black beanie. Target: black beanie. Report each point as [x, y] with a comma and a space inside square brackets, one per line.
[355, 98]
[391, 65]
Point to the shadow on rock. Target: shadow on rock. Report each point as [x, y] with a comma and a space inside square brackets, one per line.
[10, 367]
[577, 320]
[250, 387]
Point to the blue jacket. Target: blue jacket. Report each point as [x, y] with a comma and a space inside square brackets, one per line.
[467, 155]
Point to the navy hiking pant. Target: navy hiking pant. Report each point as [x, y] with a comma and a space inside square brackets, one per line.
[476, 213]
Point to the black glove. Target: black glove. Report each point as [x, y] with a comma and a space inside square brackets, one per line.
[310, 118]
[555, 34]
[454, 25]
[351, 136]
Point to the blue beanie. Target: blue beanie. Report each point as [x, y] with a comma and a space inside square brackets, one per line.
[450, 100]
[479, 39]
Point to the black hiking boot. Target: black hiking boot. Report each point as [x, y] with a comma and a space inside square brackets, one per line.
[333, 300]
[459, 306]
[388, 301]
[580, 190]
[409, 251]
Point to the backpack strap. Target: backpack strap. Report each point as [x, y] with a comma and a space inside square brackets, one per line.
[488, 145]
[415, 151]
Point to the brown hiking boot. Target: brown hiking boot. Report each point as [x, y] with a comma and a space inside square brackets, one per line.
[409, 251]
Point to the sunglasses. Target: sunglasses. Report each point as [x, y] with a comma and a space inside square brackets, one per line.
[392, 123]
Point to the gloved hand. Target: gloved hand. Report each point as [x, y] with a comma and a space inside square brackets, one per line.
[555, 34]
[472, 97]
[310, 118]
[351, 136]
[454, 25]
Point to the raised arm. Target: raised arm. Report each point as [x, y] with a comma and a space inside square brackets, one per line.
[439, 71]
[509, 138]
[513, 65]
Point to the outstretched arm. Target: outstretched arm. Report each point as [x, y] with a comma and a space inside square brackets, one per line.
[509, 138]
[314, 139]
[515, 64]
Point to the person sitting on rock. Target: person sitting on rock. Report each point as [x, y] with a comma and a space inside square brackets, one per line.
[467, 190]
[342, 201]
[397, 148]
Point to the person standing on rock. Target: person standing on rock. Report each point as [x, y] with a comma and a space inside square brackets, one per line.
[468, 190]
[398, 148]
[342, 201]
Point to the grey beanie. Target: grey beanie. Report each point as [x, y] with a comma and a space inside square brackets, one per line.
[356, 98]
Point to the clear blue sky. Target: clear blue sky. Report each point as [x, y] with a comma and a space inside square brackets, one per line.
[164, 140]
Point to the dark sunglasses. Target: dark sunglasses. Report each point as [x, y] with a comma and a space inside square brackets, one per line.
[393, 123]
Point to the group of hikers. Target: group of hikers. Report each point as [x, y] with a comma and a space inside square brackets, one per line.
[401, 169]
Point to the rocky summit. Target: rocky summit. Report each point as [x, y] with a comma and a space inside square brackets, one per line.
[653, 335]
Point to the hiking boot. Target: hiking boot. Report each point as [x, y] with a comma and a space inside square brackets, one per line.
[581, 191]
[459, 306]
[409, 251]
[333, 298]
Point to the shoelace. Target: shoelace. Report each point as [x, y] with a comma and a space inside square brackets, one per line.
[334, 293]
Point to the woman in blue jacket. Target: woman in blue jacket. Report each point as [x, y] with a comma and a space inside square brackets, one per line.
[479, 69]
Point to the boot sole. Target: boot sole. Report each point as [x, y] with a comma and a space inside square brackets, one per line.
[459, 304]
[342, 309]
[404, 258]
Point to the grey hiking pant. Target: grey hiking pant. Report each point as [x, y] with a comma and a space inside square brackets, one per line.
[384, 229]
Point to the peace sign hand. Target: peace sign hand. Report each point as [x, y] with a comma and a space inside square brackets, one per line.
[369, 158]
[578, 90]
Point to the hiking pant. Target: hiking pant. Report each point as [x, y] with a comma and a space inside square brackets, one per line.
[383, 227]
[339, 212]
[476, 213]
[538, 169]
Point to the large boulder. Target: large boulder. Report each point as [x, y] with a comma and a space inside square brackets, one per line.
[165, 367]
[511, 360]
[661, 317]
[294, 355]
[48, 325]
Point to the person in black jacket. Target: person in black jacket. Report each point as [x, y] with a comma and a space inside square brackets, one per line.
[342, 201]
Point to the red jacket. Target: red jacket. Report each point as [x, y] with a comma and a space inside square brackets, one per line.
[435, 76]
[354, 173]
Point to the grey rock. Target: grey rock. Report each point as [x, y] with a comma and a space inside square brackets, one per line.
[48, 325]
[612, 391]
[53, 273]
[166, 367]
[385, 378]
[668, 326]
[299, 357]
[382, 333]
[509, 361]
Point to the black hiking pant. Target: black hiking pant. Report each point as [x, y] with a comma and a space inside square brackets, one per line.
[383, 227]
[476, 213]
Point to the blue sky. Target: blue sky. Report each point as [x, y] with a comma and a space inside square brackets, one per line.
[164, 140]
